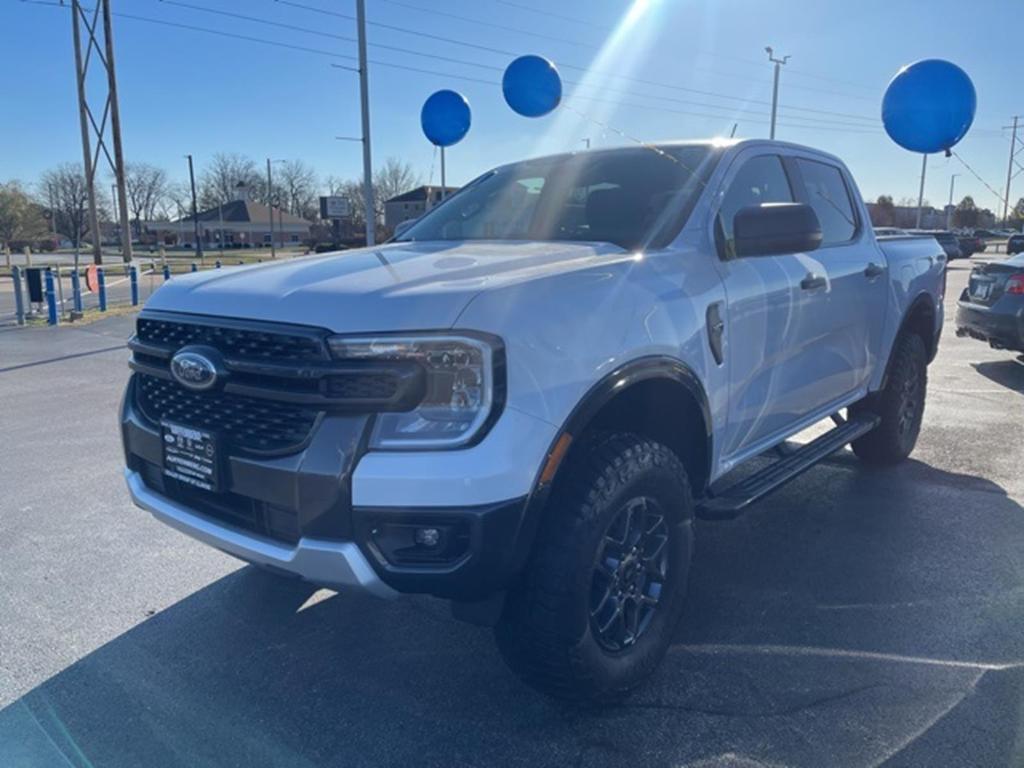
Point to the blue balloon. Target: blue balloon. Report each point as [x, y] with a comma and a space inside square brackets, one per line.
[532, 86]
[929, 106]
[445, 118]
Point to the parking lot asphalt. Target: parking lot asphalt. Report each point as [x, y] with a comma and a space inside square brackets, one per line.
[856, 617]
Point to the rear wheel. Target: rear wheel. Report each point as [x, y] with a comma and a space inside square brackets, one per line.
[900, 405]
[604, 589]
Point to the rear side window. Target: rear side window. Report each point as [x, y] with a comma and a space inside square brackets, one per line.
[760, 180]
[828, 196]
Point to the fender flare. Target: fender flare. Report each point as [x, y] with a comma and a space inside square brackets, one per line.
[923, 299]
[650, 368]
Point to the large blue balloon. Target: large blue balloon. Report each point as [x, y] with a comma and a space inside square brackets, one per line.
[445, 118]
[929, 106]
[532, 86]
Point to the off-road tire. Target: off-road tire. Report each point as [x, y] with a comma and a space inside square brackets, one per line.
[546, 632]
[900, 405]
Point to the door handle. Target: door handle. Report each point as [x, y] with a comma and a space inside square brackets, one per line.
[873, 270]
[812, 282]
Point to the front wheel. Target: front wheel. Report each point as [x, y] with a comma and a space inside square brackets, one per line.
[900, 405]
[604, 590]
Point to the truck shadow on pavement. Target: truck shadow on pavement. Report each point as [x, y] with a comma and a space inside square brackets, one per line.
[855, 618]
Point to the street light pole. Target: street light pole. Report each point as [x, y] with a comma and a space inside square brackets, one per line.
[195, 209]
[949, 209]
[775, 87]
[364, 101]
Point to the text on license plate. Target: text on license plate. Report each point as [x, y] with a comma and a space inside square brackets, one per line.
[190, 456]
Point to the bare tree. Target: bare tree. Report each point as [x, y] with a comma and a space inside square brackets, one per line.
[391, 179]
[145, 186]
[21, 219]
[218, 182]
[175, 202]
[66, 191]
[334, 185]
[297, 185]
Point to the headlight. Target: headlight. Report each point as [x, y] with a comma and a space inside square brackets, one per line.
[459, 393]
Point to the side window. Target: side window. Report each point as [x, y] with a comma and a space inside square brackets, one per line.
[760, 180]
[828, 196]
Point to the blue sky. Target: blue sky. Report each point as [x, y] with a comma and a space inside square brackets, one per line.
[184, 90]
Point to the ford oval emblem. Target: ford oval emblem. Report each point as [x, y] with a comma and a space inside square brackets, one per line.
[193, 370]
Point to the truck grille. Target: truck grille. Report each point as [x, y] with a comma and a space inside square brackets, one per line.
[249, 423]
[240, 343]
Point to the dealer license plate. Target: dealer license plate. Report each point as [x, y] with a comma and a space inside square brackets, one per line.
[191, 456]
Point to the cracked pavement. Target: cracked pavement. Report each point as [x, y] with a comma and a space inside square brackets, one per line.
[855, 618]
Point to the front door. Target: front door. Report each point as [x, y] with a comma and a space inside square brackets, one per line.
[773, 316]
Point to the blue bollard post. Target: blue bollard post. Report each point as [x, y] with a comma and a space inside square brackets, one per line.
[194, 267]
[19, 300]
[133, 276]
[167, 273]
[51, 299]
[76, 290]
[102, 280]
[216, 264]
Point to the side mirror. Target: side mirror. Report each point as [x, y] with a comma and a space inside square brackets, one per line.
[402, 227]
[774, 228]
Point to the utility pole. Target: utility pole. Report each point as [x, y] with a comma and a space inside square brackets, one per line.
[270, 209]
[920, 193]
[1009, 170]
[115, 133]
[364, 100]
[775, 87]
[84, 116]
[113, 200]
[949, 209]
[195, 209]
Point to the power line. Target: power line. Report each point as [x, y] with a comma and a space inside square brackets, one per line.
[553, 15]
[489, 24]
[464, 62]
[209, 31]
[564, 65]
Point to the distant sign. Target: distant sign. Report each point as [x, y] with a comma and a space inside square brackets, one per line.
[334, 207]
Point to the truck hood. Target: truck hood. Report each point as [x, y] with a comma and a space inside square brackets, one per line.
[396, 287]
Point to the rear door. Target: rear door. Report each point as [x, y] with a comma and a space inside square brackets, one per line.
[843, 338]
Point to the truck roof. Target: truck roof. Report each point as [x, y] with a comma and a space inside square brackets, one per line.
[715, 143]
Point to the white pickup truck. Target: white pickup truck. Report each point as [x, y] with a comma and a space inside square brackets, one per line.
[522, 403]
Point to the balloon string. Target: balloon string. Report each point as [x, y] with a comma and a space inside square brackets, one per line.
[975, 174]
[635, 140]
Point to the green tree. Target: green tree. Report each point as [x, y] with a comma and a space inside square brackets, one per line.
[21, 220]
[1017, 214]
[883, 213]
[966, 213]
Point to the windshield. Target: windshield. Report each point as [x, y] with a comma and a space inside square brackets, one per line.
[635, 197]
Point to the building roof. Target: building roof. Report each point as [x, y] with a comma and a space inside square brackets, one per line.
[246, 212]
[419, 194]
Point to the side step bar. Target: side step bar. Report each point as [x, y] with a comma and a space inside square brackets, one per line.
[730, 502]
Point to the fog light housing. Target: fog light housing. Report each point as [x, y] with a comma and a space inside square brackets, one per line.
[413, 543]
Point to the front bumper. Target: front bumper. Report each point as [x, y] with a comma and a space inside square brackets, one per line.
[296, 512]
[326, 563]
[1001, 326]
